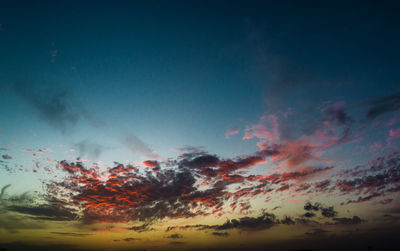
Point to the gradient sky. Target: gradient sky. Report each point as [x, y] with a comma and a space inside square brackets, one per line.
[199, 125]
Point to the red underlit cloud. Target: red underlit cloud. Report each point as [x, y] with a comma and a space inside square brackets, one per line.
[201, 184]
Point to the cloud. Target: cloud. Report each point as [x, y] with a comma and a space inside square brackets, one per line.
[232, 131]
[54, 106]
[175, 236]
[212, 165]
[125, 194]
[26, 211]
[262, 222]
[70, 234]
[287, 221]
[379, 176]
[265, 221]
[44, 212]
[348, 221]
[137, 146]
[151, 163]
[220, 234]
[24, 204]
[3, 190]
[6, 157]
[13, 223]
[395, 133]
[89, 149]
[309, 215]
[328, 212]
[322, 186]
[128, 239]
[383, 105]
[142, 228]
[336, 113]
[317, 232]
[266, 129]
[194, 184]
[365, 198]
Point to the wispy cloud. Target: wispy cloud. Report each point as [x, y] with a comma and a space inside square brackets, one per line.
[138, 147]
[54, 106]
[232, 131]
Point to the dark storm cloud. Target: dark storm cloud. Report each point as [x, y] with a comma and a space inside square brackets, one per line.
[383, 105]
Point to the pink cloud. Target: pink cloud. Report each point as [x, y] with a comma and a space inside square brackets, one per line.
[232, 131]
[394, 133]
[267, 129]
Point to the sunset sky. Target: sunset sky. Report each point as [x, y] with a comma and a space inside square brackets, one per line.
[199, 125]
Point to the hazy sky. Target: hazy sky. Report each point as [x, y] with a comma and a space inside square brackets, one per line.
[199, 124]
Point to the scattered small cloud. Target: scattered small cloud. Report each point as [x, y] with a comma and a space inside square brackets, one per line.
[232, 131]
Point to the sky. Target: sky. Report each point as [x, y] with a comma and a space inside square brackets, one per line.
[199, 125]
